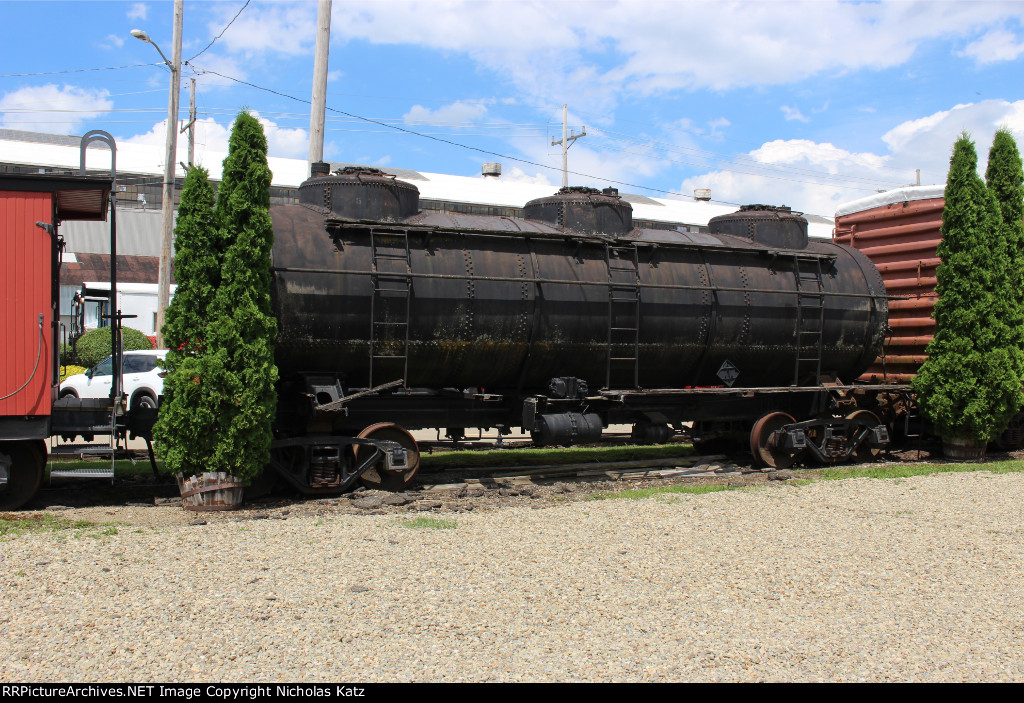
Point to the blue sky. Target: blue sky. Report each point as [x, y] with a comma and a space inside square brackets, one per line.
[806, 104]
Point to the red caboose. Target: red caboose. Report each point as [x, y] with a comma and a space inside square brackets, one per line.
[31, 210]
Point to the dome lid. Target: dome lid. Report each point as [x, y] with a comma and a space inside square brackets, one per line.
[361, 193]
[774, 226]
[583, 210]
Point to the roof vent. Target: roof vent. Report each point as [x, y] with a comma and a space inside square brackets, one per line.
[491, 169]
[700, 194]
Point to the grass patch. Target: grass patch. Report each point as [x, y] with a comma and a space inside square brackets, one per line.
[807, 477]
[890, 471]
[123, 468]
[429, 523]
[531, 456]
[13, 525]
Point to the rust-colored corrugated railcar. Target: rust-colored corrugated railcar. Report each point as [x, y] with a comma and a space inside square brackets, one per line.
[31, 208]
[899, 231]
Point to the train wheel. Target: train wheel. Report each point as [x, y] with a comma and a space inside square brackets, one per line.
[23, 464]
[762, 445]
[377, 477]
[864, 453]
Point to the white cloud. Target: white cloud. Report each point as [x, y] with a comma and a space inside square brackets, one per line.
[520, 176]
[817, 176]
[594, 55]
[267, 29]
[137, 11]
[717, 127]
[928, 140]
[997, 45]
[52, 108]
[793, 113]
[224, 65]
[455, 113]
[211, 136]
[113, 41]
[588, 53]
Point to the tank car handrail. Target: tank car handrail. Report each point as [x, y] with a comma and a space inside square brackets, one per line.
[335, 223]
[603, 284]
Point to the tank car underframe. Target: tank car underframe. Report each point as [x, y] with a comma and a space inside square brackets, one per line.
[815, 424]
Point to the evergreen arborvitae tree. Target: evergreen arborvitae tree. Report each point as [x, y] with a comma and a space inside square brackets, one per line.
[197, 264]
[237, 370]
[182, 429]
[1005, 179]
[969, 386]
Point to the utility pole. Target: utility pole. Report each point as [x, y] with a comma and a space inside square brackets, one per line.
[191, 126]
[167, 231]
[566, 142]
[318, 109]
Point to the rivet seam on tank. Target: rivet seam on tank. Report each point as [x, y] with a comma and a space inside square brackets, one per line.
[746, 304]
[524, 295]
[467, 257]
[705, 299]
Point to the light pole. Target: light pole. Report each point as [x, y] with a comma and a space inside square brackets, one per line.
[167, 210]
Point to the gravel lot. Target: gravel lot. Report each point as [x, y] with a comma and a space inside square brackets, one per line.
[914, 579]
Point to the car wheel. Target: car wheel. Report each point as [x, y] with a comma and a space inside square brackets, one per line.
[68, 394]
[144, 401]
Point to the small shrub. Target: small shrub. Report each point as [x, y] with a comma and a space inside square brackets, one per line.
[94, 346]
[67, 355]
[71, 370]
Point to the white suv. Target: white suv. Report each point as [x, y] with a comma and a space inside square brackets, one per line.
[143, 379]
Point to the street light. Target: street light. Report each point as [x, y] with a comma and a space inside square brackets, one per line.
[167, 209]
[139, 34]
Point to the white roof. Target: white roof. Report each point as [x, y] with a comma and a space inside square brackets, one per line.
[891, 197]
[132, 288]
[63, 152]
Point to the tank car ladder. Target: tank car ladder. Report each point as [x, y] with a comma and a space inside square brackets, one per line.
[810, 317]
[391, 277]
[623, 312]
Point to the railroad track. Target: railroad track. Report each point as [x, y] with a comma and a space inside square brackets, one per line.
[458, 481]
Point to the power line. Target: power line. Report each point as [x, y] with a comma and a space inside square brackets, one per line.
[457, 144]
[77, 70]
[221, 32]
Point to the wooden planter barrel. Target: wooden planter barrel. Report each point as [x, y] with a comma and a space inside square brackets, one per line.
[963, 449]
[216, 490]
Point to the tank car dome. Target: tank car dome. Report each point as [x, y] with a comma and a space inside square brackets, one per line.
[774, 226]
[361, 193]
[584, 210]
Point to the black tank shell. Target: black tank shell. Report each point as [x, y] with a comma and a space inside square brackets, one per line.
[511, 306]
